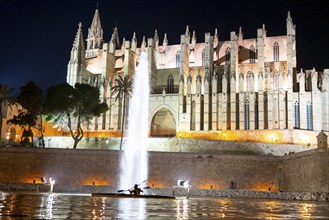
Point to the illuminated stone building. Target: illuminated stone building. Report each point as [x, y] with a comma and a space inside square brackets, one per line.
[13, 133]
[236, 89]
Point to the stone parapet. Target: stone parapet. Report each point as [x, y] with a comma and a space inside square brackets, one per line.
[191, 145]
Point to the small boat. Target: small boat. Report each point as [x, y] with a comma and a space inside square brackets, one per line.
[123, 195]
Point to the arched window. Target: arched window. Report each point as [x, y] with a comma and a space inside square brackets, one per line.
[170, 84]
[177, 58]
[275, 81]
[252, 54]
[193, 116]
[248, 81]
[309, 117]
[276, 52]
[246, 115]
[184, 104]
[203, 57]
[297, 115]
[256, 112]
[228, 56]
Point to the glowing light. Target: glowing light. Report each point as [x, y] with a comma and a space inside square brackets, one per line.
[94, 180]
[52, 183]
[183, 183]
[186, 184]
[304, 139]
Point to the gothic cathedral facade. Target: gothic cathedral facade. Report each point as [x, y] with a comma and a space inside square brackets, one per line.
[207, 88]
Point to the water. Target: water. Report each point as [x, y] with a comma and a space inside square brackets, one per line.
[134, 161]
[83, 206]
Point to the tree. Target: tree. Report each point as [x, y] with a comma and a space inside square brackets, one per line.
[122, 90]
[7, 99]
[31, 99]
[73, 107]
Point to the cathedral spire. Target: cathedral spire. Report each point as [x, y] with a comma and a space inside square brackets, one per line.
[288, 17]
[187, 32]
[115, 39]
[96, 21]
[193, 39]
[78, 41]
[123, 45]
[240, 35]
[156, 37]
[165, 40]
[156, 40]
[134, 42]
[215, 38]
[143, 45]
[290, 25]
[95, 32]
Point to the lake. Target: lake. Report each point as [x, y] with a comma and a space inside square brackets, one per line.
[25, 205]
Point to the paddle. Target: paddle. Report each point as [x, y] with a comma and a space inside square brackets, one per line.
[125, 190]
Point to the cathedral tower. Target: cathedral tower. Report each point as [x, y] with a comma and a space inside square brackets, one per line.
[291, 68]
[76, 66]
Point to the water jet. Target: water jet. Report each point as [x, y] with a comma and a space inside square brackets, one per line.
[134, 158]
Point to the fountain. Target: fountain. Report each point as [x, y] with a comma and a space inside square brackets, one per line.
[134, 160]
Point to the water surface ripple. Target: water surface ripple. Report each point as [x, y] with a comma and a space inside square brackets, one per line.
[20, 205]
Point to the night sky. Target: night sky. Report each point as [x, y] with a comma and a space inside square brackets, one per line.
[37, 35]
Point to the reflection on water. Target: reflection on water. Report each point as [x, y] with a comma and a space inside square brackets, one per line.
[182, 208]
[131, 208]
[47, 206]
[83, 206]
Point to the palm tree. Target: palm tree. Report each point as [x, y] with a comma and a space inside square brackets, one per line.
[5, 97]
[122, 90]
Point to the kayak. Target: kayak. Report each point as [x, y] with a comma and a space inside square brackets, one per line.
[122, 195]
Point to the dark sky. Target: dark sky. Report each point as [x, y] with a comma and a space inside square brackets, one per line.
[36, 35]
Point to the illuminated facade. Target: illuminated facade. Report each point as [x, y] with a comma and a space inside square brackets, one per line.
[207, 87]
[13, 133]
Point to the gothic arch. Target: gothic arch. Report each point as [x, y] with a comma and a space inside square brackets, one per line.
[163, 123]
[177, 59]
[170, 84]
[228, 56]
[246, 115]
[276, 54]
[252, 54]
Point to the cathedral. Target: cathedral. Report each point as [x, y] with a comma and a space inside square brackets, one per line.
[236, 89]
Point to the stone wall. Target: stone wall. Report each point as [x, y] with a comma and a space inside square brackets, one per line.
[66, 166]
[88, 167]
[306, 172]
